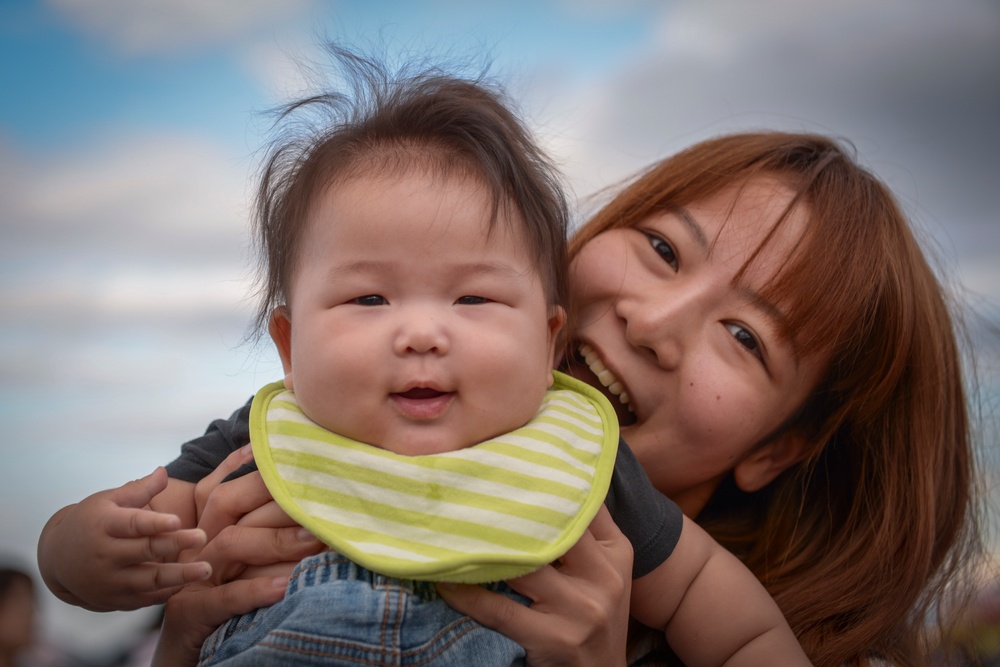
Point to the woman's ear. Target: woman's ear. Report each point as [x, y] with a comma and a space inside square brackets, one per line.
[760, 468]
[280, 328]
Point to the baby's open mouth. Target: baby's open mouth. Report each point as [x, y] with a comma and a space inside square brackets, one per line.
[612, 387]
[422, 403]
[418, 393]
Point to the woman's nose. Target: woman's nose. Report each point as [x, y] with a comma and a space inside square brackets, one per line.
[659, 324]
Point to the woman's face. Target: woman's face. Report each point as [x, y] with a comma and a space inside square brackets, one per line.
[698, 359]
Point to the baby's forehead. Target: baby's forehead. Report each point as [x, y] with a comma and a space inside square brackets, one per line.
[530, 213]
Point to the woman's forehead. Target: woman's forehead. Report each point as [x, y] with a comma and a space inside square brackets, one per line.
[754, 223]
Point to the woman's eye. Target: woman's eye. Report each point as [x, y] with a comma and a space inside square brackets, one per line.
[663, 249]
[370, 300]
[746, 339]
[471, 300]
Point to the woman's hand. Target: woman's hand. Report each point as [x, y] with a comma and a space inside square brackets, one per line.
[579, 615]
[252, 547]
[196, 611]
[249, 535]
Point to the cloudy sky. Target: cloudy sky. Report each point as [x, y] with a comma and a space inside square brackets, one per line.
[129, 129]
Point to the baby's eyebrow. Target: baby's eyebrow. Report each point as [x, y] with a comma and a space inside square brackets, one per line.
[486, 268]
[372, 267]
[362, 266]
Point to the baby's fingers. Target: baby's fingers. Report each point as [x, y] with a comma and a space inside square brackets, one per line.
[204, 489]
[139, 492]
[124, 550]
[153, 583]
[167, 547]
[134, 523]
[159, 576]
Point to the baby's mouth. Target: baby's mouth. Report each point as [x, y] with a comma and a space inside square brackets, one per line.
[422, 402]
[418, 393]
[613, 387]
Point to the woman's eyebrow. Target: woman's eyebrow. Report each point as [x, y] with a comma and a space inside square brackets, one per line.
[770, 310]
[773, 313]
[693, 227]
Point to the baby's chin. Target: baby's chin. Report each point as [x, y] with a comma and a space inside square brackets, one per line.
[424, 441]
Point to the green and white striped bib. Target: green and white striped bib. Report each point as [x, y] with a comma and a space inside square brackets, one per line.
[496, 510]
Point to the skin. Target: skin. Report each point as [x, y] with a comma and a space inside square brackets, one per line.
[707, 375]
[409, 323]
[705, 372]
[708, 378]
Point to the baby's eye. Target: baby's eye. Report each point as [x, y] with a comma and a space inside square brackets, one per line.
[370, 300]
[471, 300]
[663, 249]
[746, 339]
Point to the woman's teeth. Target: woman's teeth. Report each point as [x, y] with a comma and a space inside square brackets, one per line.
[606, 377]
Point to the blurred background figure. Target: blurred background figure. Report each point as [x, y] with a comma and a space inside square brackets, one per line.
[20, 643]
[17, 615]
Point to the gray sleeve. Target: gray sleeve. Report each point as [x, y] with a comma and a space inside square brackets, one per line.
[651, 521]
[202, 455]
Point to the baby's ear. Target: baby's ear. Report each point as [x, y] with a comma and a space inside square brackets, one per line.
[557, 320]
[280, 328]
[760, 468]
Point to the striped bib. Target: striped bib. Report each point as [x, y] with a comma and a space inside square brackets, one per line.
[496, 510]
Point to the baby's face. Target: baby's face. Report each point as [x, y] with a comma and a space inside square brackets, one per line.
[409, 329]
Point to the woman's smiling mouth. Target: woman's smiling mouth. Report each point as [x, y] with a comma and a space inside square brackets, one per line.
[613, 387]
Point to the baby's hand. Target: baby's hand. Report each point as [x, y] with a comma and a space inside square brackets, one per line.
[109, 552]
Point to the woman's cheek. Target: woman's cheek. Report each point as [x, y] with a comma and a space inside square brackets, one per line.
[599, 267]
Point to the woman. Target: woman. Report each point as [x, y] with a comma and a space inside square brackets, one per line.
[786, 369]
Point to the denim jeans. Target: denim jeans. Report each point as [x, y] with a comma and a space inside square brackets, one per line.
[338, 613]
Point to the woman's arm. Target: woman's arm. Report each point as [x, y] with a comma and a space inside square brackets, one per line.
[580, 609]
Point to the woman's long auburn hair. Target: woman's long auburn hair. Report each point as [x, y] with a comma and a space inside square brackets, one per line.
[860, 542]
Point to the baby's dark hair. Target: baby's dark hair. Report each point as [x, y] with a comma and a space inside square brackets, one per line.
[382, 122]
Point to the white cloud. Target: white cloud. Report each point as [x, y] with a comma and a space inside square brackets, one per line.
[176, 26]
[844, 30]
[152, 199]
[283, 67]
[138, 239]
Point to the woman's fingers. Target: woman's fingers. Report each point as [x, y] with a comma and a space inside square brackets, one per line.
[204, 488]
[603, 543]
[269, 515]
[193, 613]
[598, 566]
[492, 609]
[230, 502]
[579, 614]
[237, 547]
[158, 581]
